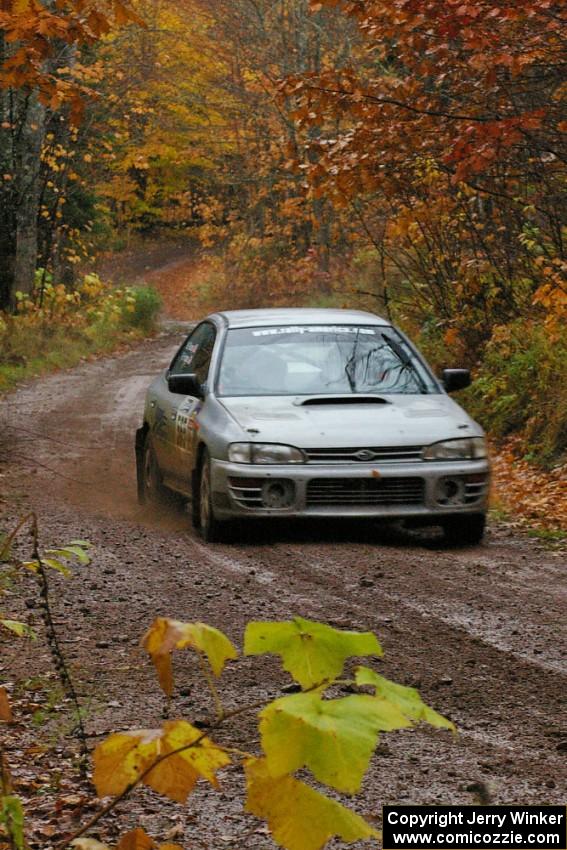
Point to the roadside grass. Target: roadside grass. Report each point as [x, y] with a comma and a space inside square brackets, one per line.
[549, 535]
[70, 327]
[497, 512]
[61, 352]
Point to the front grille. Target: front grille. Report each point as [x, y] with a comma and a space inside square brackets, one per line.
[365, 491]
[381, 454]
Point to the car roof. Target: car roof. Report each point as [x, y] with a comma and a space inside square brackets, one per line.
[299, 316]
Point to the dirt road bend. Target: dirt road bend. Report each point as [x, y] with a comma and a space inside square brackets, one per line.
[480, 631]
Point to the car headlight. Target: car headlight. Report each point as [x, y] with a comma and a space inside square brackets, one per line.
[264, 453]
[468, 448]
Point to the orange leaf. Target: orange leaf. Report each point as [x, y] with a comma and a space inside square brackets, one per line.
[5, 709]
[136, 839]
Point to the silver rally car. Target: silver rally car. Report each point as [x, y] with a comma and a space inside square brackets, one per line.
[311, 413]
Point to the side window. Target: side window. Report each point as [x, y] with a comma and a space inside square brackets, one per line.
[195, 356]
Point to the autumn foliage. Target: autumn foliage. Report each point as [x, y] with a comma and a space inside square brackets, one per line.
[451, 142]
[34, 31]
[407, 157]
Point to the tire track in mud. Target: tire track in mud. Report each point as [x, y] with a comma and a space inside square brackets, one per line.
[483, 625]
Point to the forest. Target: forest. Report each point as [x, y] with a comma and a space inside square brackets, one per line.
[163, 687]
[403, 157]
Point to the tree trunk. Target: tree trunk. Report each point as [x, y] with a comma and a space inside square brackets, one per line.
[29, 163]
[7, 192]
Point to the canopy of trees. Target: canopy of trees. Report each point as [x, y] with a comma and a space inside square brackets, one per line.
[408, 156]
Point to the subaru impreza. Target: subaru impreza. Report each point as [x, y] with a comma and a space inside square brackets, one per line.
[311, 413]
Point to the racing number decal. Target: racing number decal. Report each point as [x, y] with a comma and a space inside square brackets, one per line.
[186, 424]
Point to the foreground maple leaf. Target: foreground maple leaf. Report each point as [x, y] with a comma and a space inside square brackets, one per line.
[311, 652]
[124, 758]
[406, 700]
[334, 738]
[165, 635]
[299, 817]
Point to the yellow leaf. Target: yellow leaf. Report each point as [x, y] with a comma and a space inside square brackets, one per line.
[123, 758]
[299, 817]
[89, 844]
[165, 635]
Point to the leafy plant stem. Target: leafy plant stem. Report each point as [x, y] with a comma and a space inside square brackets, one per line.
[212, 687]
[56, 651]
[7, 545]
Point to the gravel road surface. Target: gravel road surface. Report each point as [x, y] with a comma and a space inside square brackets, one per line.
[480, 631]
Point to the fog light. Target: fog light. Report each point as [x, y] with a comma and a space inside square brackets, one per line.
[278, 493]
[450, 491]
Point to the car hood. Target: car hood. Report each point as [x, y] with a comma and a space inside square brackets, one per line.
[401, 420]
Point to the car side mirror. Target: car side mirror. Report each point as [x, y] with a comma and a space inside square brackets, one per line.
[185, 385]
[456, 379]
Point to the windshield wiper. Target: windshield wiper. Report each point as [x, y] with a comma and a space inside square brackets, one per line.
[405, 360]
[350, 363]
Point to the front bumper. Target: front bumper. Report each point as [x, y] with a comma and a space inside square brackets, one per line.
[420, 489]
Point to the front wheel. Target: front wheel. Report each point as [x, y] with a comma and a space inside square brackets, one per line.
[212, 529]
[467, 530]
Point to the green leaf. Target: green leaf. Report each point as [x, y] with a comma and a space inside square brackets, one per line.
[311, 652]
[55, 564]
[334, 738]
[299, 817]
[12, 816]
[407, 700]
[70, 552]
[18, 628]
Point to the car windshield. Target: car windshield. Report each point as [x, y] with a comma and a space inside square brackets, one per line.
[320, 360]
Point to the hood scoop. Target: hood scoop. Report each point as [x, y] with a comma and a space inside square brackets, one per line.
[344, 399]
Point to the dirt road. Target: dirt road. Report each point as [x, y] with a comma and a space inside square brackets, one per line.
[481, 632]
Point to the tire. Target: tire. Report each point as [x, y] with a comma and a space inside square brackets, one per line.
[465, 530]
[154, 492]
[212, 530]
[195, 509]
